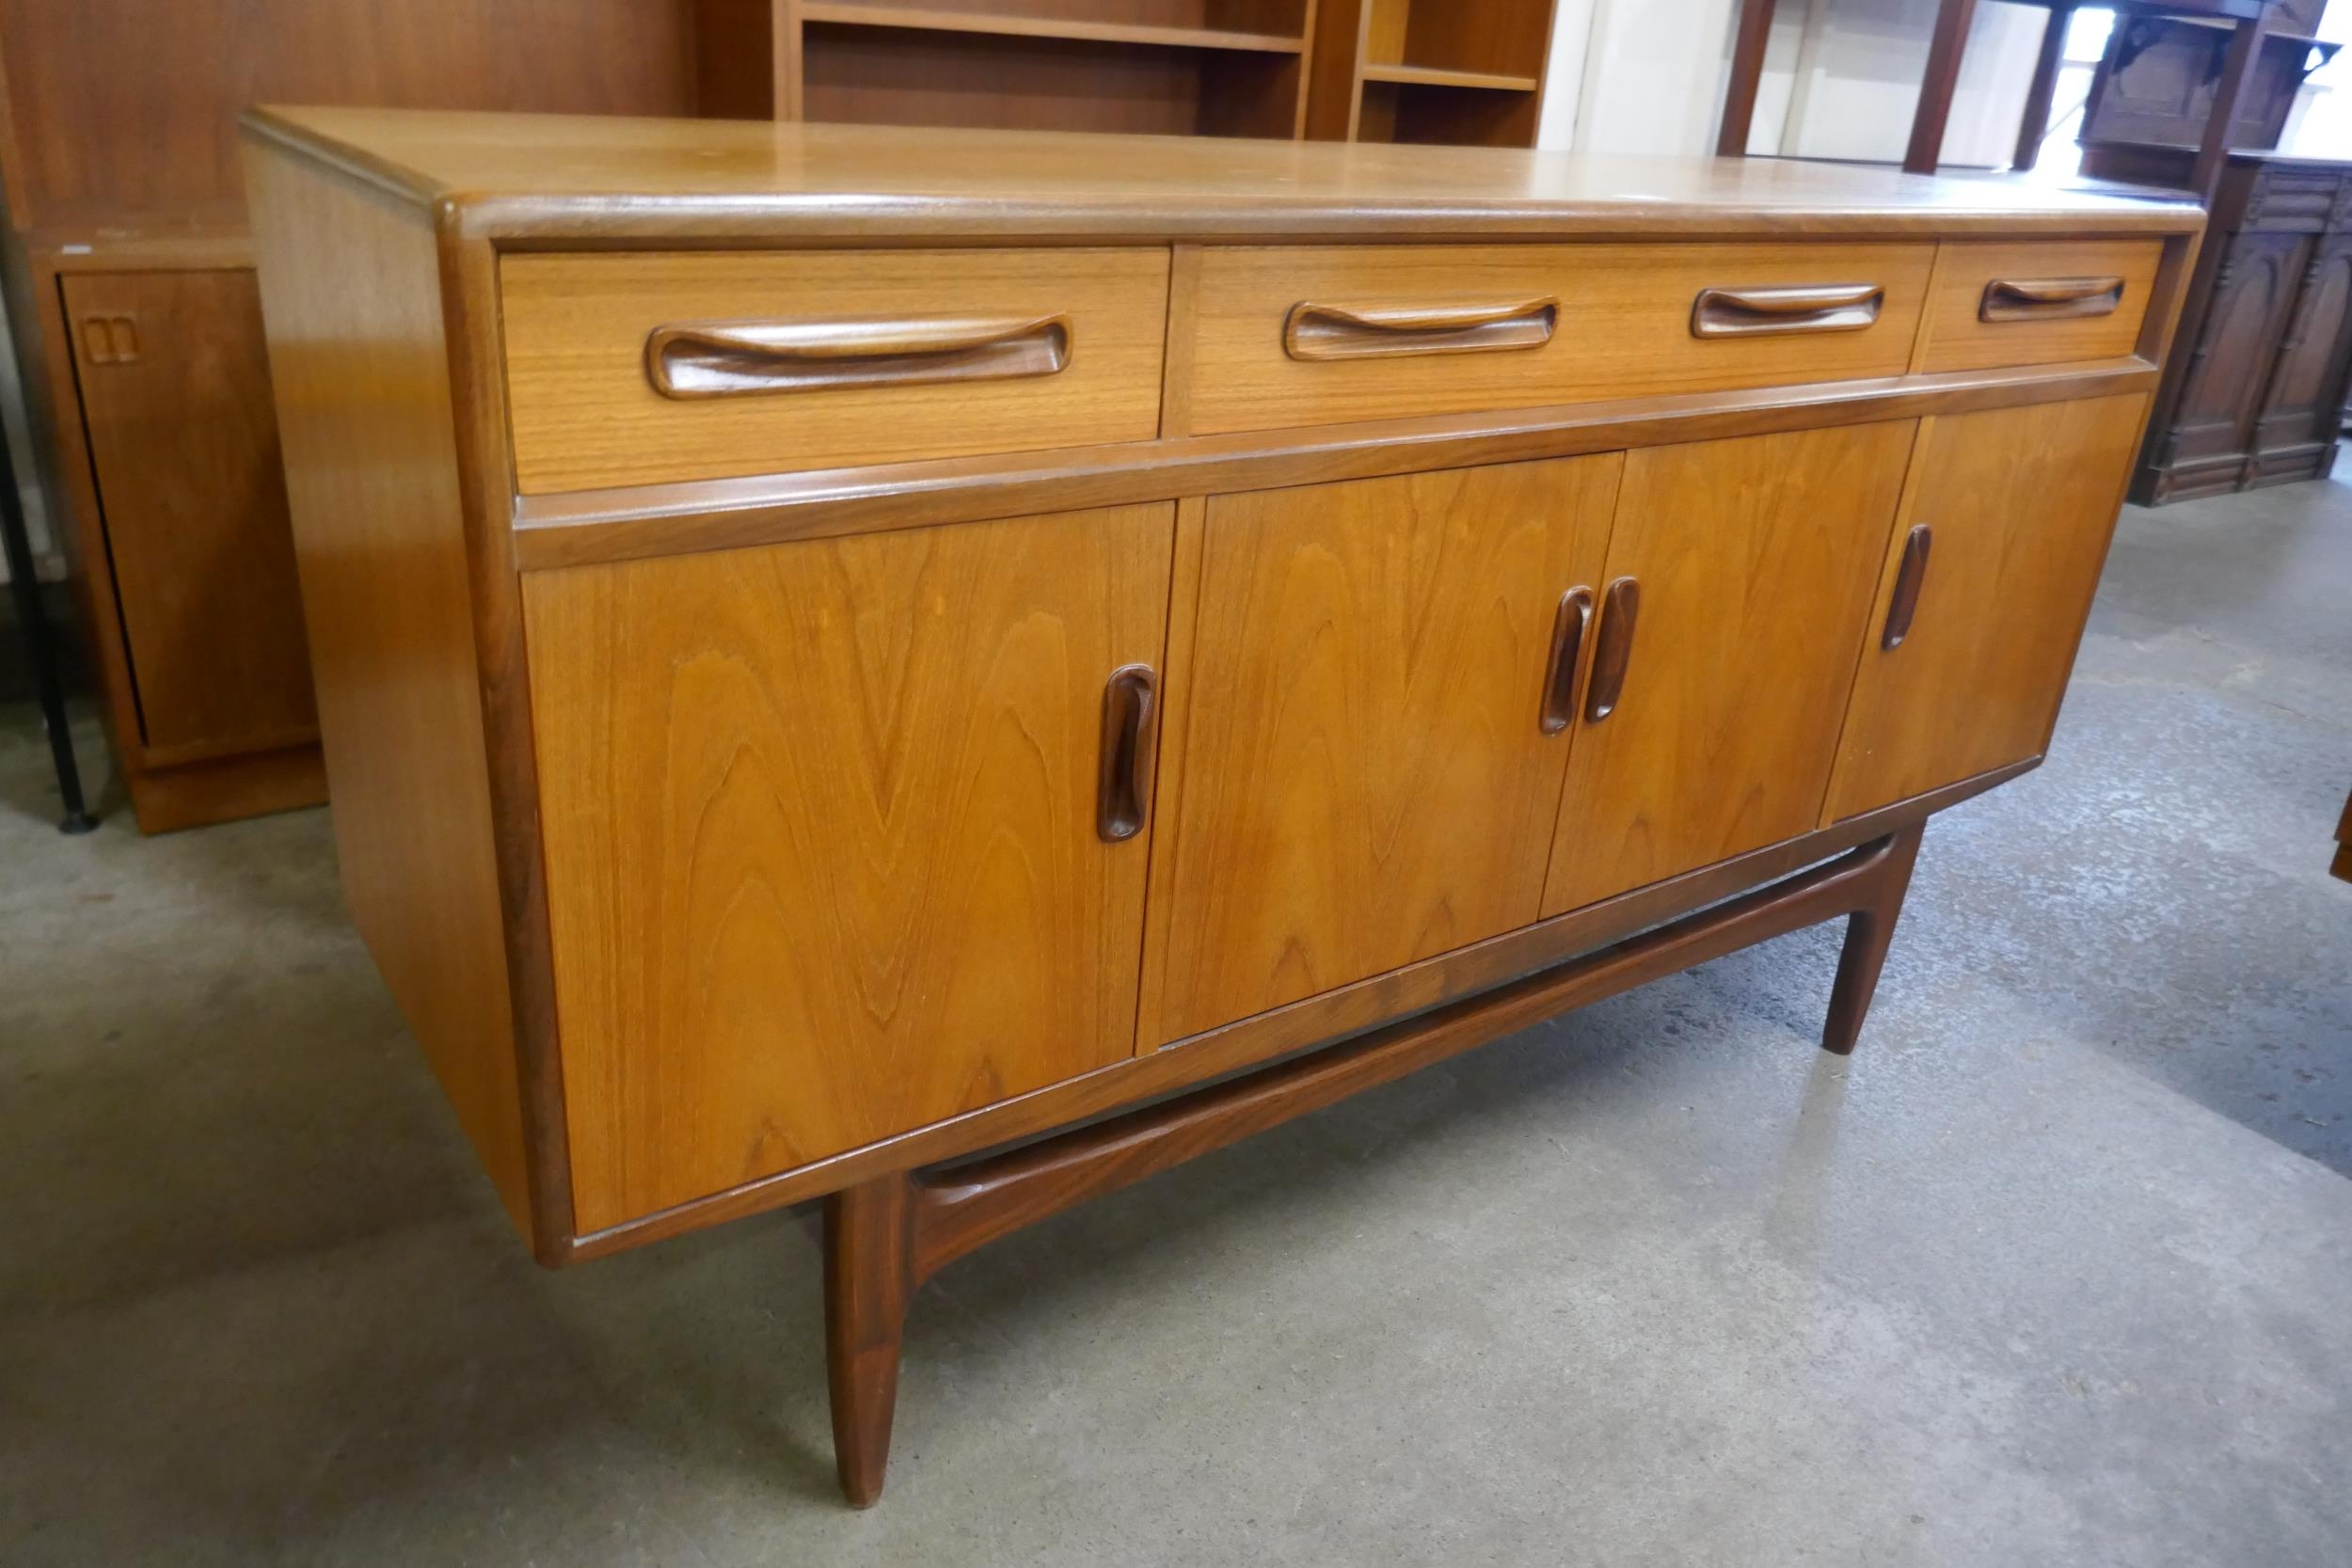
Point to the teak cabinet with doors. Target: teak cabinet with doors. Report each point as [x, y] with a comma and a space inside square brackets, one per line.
[175, 396]
[951, 684]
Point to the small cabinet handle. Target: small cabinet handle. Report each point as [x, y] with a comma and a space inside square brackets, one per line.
[717, 359]
[1568, 626]
[1130, 703]
[1313, 331]
[110, 339]
[1800, 308]
[2036, 299]
[1613, 651]
[1908, 579]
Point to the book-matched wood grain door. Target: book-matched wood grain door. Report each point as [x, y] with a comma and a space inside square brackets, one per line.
[1357, 771]
[176, 395]
[1984, 596]
[1751, 563]
[826, 856]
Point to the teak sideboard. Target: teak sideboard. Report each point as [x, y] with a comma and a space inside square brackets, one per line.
[950, 673]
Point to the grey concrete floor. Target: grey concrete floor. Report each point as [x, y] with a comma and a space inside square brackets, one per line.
[2056, 1271]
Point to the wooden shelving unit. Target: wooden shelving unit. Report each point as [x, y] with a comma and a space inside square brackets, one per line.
[1230, 67]
[1428, 71]
[2173, 71]
[865, 13]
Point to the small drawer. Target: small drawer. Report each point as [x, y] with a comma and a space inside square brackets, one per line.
[642, 369]
[1317, 335]
[2037, 303]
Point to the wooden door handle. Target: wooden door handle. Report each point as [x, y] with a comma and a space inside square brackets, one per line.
[2021, 299]
[1798, 307]
[717, 359]
[1122, 797]
[1313, 331]
[1612, 650]
[1908, 579]
[1568, 626]
[110, 339]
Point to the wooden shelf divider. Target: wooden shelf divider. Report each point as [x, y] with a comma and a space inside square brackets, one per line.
[1428, 71]
[1431, 77]
[1002, 24]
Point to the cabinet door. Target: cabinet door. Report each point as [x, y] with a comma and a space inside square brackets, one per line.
[2018, 504]
[1357, 771]
[2212, 425]
[820, 826]
[175, 393]
[2297, 432]
[1754, 561]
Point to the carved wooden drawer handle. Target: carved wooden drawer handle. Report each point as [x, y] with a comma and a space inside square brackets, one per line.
[1620, 608]
[1130, 703]
[717, 359]
[1314, 331]
[1798, 307]
[1909, 578]
[1568, 626]
[2041, 299]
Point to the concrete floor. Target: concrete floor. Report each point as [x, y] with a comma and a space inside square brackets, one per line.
[2056, 1271]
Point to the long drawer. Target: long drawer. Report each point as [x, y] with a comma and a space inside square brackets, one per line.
[644, 369]
[1293, 335]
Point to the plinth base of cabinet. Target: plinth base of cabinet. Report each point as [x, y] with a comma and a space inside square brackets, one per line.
[884, 1237]
[2290, 464]
[2187, 481]
[2231, 472]
[225, 789]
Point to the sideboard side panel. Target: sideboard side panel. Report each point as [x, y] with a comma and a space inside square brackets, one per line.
[351, 291]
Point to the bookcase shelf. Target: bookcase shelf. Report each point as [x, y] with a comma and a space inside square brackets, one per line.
[1077, 29]
[1232, 68]
[1428, 71]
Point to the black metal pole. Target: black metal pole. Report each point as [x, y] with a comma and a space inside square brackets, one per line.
[39, 650]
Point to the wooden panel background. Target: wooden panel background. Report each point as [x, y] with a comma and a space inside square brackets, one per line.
[351, 283]
[819, 830]
[1360, 780]
[130, 106]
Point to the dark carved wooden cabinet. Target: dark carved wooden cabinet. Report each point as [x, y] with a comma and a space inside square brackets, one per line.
[2257, 397]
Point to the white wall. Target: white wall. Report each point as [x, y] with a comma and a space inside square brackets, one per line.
[1650, 75]
[1841, 78]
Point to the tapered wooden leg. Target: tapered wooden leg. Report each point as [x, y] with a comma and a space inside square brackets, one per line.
[1869, 930]
[869, 1278]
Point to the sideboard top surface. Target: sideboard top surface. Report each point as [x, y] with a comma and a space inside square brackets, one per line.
[559, 177]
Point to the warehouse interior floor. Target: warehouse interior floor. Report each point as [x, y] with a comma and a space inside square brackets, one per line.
[2055, 1269]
